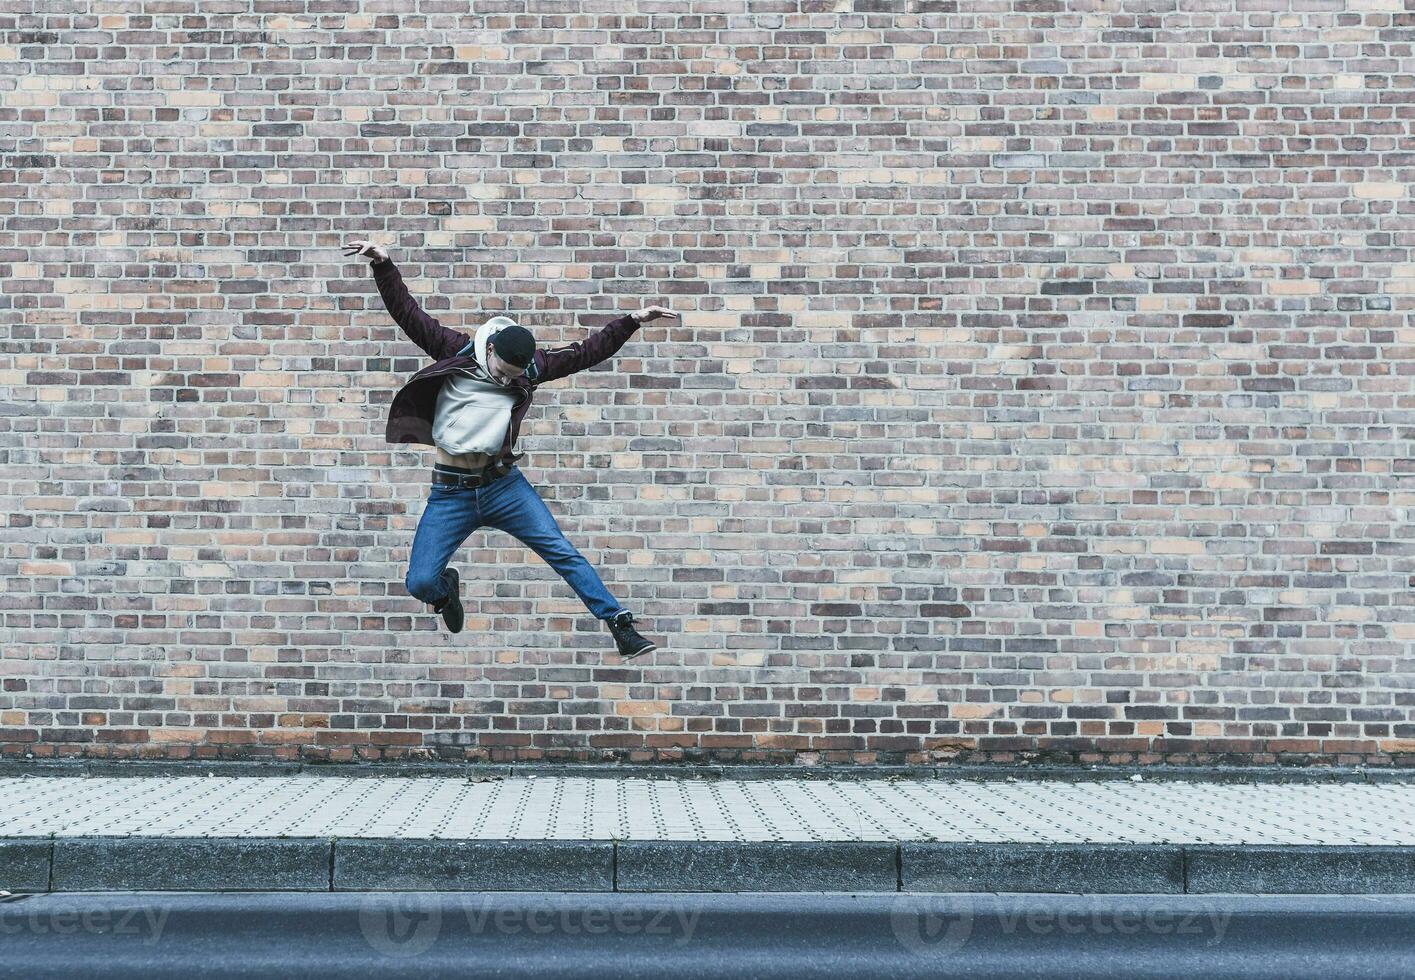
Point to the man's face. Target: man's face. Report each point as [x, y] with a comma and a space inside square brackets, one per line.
[501, 372]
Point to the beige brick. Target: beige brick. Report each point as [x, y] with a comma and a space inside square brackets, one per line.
[1379, 190]
[639, 708]
[971, 710]
[1176, 546]
[1293, 287]
[191, 98]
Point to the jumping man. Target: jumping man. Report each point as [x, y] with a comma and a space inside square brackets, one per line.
[469, 405]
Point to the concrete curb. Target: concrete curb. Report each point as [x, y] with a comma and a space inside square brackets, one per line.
[473, 865]
[948, 866]
[679, 771]
[25, 864]
[756, 866]
[189, 864]
[1275, 869]
[40, 864]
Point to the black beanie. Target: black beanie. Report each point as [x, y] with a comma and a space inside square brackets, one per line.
[514, 345]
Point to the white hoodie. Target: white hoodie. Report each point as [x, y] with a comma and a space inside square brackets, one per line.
[473, 411]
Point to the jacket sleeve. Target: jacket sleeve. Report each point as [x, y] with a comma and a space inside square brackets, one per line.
[437, 341]
[559, 362]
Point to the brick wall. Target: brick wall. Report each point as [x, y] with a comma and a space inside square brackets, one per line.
[1042, 387]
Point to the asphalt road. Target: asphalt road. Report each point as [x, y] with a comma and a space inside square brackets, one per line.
[511, 934]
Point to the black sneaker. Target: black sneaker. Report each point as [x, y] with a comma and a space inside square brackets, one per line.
[630, 643]
[451, 607]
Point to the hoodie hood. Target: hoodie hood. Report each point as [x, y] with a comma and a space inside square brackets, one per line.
[482, 337]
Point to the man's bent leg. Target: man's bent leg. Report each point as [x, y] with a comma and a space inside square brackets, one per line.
[517, 509]
[449, 517]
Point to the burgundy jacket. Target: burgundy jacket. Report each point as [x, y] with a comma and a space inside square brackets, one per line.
[411, 415]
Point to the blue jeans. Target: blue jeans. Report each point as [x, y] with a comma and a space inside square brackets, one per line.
[509, 504]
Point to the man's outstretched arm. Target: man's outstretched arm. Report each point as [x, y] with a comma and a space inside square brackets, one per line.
[436, 341]
[560, 362]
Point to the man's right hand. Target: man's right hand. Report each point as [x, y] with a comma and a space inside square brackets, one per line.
[366, 248]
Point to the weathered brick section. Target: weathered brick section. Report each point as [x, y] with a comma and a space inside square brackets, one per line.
[1042, 388]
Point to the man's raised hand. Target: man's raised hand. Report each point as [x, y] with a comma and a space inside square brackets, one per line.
[366, 248]
[652, 313]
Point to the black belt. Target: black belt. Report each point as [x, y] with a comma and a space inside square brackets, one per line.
[443, 475]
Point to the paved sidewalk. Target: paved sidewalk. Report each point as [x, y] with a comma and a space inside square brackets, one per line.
[329, 832]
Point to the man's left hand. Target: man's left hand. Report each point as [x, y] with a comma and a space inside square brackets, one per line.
[652, 313]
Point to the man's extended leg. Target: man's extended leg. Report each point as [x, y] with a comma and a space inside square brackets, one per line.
[513, 505]
[450, 516]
